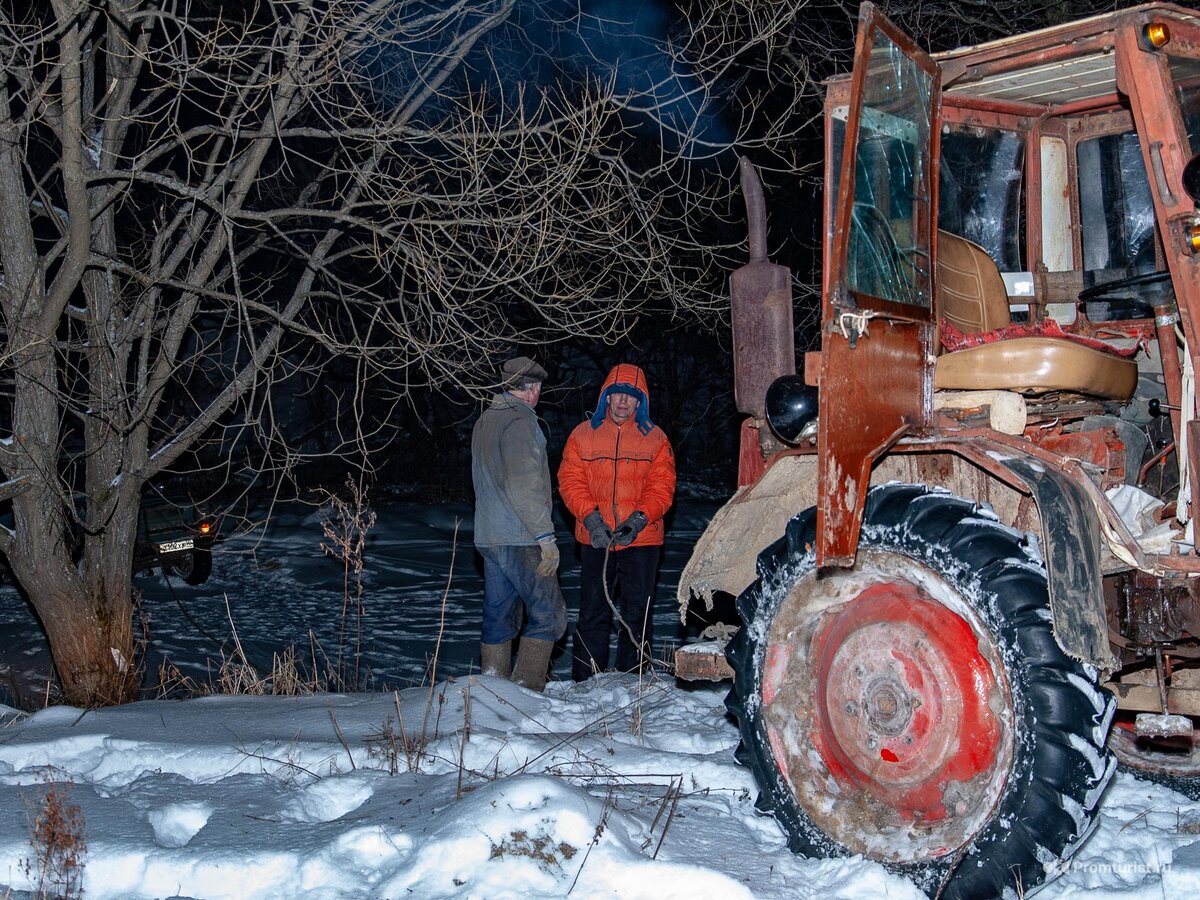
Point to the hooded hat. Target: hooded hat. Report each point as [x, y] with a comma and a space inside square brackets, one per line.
[626, 379]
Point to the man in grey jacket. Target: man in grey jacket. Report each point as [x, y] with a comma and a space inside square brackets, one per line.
[513, 530]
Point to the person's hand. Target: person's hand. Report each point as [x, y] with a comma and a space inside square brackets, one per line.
[599, 532]
[628, 530]
[549, 563]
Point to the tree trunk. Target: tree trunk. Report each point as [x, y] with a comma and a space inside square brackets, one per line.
[92, 646]
[87, 610]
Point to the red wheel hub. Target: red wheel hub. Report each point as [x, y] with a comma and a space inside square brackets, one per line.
[904, 700]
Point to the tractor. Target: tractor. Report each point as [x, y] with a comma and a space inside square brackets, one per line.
[962, 546]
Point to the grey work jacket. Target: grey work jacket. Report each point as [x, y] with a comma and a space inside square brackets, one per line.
[511, 475]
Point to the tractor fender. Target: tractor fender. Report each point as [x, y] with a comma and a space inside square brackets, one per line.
[1071, 547]
[1037, 498]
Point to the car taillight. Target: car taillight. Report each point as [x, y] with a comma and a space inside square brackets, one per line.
[205, 527]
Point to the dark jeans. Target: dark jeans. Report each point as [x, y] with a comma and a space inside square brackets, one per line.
[630, 575]
[510, 577]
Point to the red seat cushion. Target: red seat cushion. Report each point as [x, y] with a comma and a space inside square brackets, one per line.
[954, 339]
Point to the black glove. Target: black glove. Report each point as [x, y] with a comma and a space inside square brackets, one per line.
[598, 529]
[628, 530]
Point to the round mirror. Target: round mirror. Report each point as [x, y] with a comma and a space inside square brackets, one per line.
[792, 408]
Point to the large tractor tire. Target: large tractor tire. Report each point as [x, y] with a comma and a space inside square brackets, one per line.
[916, 709]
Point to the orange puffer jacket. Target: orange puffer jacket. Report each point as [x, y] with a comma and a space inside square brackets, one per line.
[619, 468]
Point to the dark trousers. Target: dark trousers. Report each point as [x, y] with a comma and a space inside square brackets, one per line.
[629, 575]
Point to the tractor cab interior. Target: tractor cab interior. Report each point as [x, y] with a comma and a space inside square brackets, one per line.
[987, 352]
[1042, 171]
[1067, 196]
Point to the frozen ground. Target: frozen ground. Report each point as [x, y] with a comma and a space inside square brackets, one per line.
[471, 788]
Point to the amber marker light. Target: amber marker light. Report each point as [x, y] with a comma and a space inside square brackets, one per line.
[1192, 236]
[1155, 35]
[205, 527]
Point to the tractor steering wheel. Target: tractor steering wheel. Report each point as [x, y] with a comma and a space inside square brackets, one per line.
[1098, 291]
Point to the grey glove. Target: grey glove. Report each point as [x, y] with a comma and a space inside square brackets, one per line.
[549, 563]
[598, 529]
[628, 530]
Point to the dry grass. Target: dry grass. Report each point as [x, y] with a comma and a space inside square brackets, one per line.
[346, 532]
[1187, 822]
[394, 741]
[235, 674]
[541, 848]
[58, 839]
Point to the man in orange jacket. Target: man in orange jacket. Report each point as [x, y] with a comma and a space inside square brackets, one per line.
[618, 479]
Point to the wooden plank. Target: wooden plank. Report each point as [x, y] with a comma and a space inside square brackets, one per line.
[1144, 697]
[702, 662]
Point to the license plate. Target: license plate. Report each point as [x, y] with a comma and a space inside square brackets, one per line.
[175, 546]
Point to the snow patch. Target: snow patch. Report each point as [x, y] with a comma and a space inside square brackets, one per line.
[327, 800]
[176, 824]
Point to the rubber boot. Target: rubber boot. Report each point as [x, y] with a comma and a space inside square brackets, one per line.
[533, 662]
[496, 659]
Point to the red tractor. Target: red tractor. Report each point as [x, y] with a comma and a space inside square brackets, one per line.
[967, 584]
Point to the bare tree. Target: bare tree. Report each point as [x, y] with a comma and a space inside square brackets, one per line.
[204, 204]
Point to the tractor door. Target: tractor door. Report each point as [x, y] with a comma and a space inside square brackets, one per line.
[878, 346]
[1162, 81]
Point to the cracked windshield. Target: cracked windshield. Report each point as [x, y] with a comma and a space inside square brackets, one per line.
[890, 194]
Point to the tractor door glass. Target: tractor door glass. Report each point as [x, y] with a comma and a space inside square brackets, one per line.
[1186, 75]
[1116, 210]
[979, 190]
[885, 259]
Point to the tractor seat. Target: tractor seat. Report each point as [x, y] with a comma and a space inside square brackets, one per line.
[971, 299]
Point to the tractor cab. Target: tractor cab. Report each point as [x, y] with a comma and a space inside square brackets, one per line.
[1007, 218]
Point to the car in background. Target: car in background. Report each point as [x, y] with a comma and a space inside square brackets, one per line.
[174, 535]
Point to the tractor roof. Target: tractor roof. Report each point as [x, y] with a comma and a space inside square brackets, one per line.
[1068, 63]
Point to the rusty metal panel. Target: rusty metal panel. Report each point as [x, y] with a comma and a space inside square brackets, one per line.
[763, 346]
[873, 391]
[1080, 37]
[1146, 79]
[1101, 447]
[878, 347]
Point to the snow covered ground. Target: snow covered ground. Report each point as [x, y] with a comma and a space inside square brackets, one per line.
[470, 788]
[279, 586]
